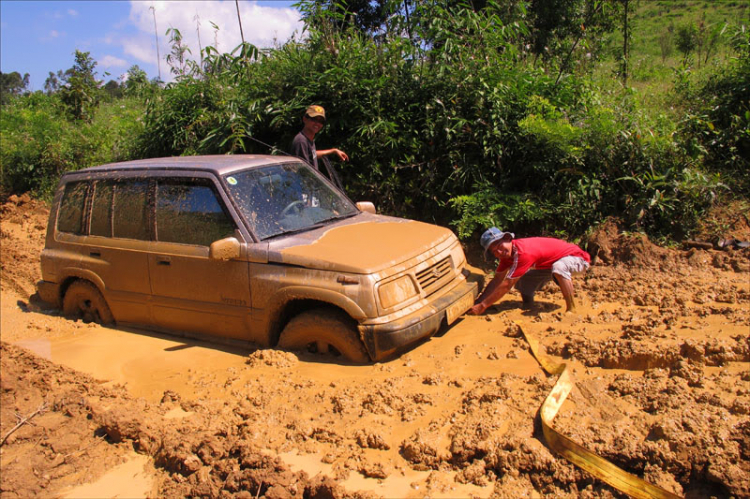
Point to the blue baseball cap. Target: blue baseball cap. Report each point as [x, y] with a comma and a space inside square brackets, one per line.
[490, 236]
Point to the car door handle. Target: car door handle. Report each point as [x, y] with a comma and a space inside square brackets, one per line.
[163, 261]
[95, 253]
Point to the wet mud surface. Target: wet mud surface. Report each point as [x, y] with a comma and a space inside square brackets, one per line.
[659, 346]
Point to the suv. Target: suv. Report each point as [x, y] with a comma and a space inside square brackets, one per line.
[256, 248]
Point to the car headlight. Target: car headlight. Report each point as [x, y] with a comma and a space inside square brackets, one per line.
[397, 291]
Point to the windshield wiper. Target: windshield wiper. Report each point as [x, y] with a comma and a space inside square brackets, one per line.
[339, 217]
[296, 231]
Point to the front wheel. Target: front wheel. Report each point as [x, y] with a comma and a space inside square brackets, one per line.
[84, 301]
[324, 331]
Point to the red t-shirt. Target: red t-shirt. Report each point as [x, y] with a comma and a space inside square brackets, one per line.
[537, 253]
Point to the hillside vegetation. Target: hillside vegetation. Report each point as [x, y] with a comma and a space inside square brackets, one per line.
[539, 120]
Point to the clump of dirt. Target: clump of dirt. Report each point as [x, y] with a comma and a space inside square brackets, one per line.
[275, 358]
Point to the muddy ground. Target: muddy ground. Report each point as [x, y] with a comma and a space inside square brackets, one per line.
[660, 351]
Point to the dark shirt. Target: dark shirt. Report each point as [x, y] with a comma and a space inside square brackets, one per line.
[304, 148]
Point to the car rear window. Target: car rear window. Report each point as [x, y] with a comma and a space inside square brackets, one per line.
[70, 216]
[130, 204]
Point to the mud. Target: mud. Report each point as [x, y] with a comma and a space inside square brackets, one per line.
[660, 355]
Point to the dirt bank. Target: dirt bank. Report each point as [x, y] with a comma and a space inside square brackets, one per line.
[661, 360]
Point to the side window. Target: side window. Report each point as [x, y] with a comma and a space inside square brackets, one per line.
[101, 211]
[130, 205]
[189, 212]
[70, 215]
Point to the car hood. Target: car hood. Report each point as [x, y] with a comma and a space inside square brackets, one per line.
[364, 244]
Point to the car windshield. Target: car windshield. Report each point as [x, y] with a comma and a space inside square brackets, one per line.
[285, 198]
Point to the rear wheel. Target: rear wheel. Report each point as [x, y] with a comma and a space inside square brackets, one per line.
[83, 301]
[324, 331]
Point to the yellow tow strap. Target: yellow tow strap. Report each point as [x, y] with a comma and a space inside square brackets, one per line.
[575, 453]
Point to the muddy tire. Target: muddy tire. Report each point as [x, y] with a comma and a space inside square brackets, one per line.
[83, 301]
[324, 331]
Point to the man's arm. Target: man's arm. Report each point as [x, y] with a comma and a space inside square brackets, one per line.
[338, 152]
[496, 289]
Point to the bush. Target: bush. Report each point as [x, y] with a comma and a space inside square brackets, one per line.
[39, 143]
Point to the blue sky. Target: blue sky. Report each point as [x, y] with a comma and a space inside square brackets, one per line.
[37, 37]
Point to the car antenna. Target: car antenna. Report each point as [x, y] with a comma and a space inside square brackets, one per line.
[272, 148]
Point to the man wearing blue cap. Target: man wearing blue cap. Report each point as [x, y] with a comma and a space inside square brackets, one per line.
[528, 264]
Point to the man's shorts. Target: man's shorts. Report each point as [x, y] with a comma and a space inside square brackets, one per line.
[565, 267]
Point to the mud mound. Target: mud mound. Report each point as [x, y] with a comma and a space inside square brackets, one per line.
[274, 358]
[632, 354]
[609, 245]
[22, 230]
[725, 221]
[79, 429]
[60, 443]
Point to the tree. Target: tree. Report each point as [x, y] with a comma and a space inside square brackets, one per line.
[366, 15]
[666, 43]
[81, 93]
[686, 39]
[136, 81]
[12, 84]
[113, 89]
[176, 58]
[557, 27]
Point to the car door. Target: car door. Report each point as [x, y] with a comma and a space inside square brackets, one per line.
[190, 291]
[116, 247]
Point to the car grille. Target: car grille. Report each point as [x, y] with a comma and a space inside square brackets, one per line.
[432, 277]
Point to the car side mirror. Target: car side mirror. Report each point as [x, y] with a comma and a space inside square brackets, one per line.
[367, 206]
[224, 249]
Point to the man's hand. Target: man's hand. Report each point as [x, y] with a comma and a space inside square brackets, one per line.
[341, 154]
[477, 309]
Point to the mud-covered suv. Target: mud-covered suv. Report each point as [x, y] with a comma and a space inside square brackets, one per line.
[257, 248]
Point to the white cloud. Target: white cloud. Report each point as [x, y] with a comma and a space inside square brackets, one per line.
[72, 13]
[110, 61]
[262, 26]
[52, 35]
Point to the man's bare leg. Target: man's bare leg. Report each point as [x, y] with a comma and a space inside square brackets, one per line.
[566, 286]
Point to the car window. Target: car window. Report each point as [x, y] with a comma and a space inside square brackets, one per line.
[101, 211]
[284, 198]
[189, 212]
[70, 216]
[130, 205]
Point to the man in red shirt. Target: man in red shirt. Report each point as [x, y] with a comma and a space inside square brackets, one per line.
[530, 262]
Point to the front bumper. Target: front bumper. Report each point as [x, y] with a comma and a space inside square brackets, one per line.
[383, 339]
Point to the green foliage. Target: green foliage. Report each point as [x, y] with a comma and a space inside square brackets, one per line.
[177, 56]
[686, 39]
[446, 112]
[39, 143]
[669, 200]
[12, 84]
[136, 83]
[489, 207]
[81, 93]
[717, 128]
